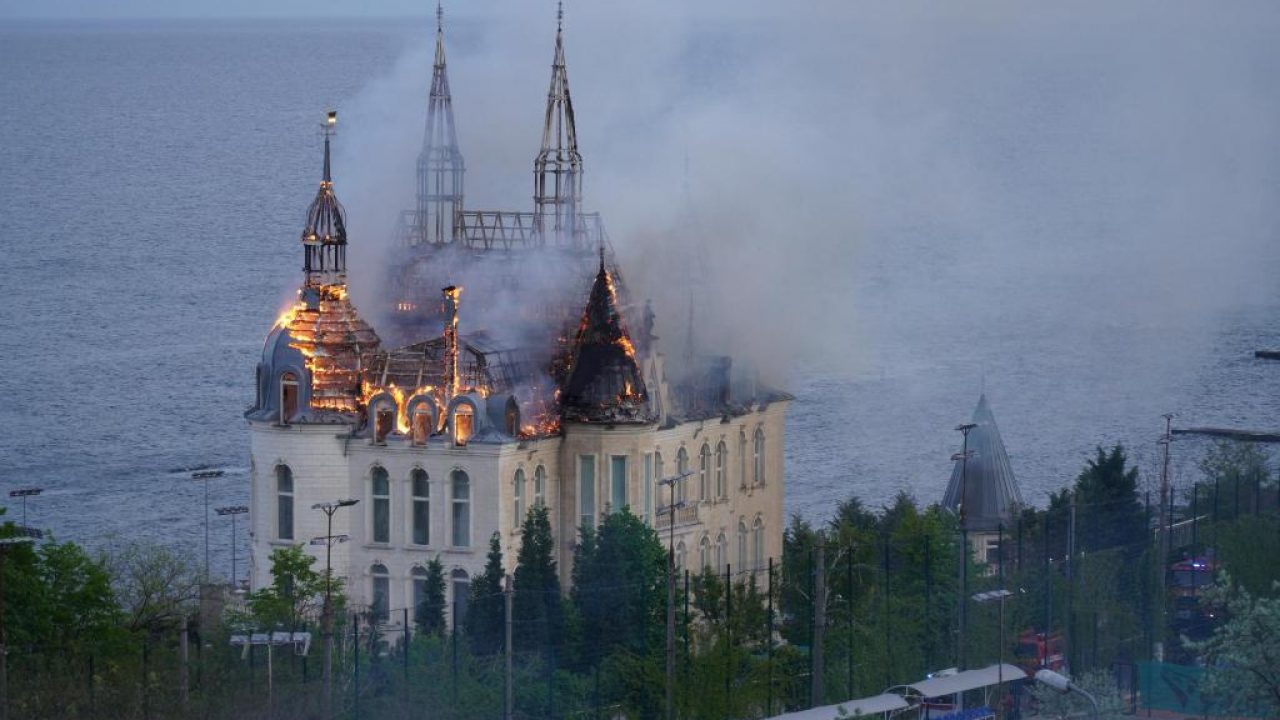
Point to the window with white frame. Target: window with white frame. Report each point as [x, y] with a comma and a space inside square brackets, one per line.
[380, 492]
[461, 592]
[742, 459]
[288, 397]
[460, 489]
[617, 483]
[418, 577]
[587, 491]
[722, 459]
[722, 553]
[704, 472]
[757, 543]
[381, 605]
[517, 495]
[540, 487]
[647, 481]
[680, 555]
[420, 489]
[759, 457]
[682, 467]
[704, 552]
[284, 502]
[743, 559]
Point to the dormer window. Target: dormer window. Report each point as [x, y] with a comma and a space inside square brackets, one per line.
[288, 397]
[463, 424]
[421, 425]
[384, 419]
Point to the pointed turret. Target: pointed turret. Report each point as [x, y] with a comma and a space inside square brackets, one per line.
[440, 165]
[324, 237]
[986, 481]
[557, 171]
[605, 383]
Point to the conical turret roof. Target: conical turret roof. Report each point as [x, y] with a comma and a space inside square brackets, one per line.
[990, 490]
[605, 384]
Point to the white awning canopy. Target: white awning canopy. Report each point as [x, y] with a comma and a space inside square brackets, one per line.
[873, 705]
[967, 680]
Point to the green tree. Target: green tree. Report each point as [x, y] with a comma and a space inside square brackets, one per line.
[157, 587]
[296, 591]
[429, 615]
[1241, 656]
[536, 605]
[485, 623]
[1108, 511]
[620, 592]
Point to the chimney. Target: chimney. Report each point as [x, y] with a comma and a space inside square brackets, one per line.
[451, 295]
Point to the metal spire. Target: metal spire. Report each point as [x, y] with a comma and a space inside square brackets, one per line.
[557, 170]
[440, 165]
[324, 237]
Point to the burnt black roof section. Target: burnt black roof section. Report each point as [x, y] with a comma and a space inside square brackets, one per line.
[991, 494]
[605, 384]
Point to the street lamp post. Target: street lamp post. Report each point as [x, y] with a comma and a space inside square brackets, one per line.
[670, 511]
[963, 456]
[205, 476]
[998, 596]
[25, 493]
[233, 511]
[329, 508]
[1045, 676]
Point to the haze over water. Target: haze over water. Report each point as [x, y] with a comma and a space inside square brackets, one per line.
[153, 179]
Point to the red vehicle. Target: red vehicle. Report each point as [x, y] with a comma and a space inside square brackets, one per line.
[1036, 651]
[1188, 576]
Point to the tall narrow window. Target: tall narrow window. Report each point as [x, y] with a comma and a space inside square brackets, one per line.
[517, 495]
[722, 458]
[384, 421]
[757, 544]
[682, 467]
[704, 472]
[288, 397]
[704, 553]
[420, 488]
[461, 591]
[742, 459]
[421, 424]
[381, 605]
[648, 488]
[617, 483]
[419, 577]
[381, 506]
[284, 502]
[463, 424]
[680, 555]
[743, 560]
[759, 457]
[587, 491]
[722, 553]
[540, 487]
[461, 487]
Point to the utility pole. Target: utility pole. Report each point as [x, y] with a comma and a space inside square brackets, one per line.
[510, 701]
[671, 511]
[963, 456]
[819, 620]
[1071, 586]
[326, 617]
[184, 683]
[1166, 500]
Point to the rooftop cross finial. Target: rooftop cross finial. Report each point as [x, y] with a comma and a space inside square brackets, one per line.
[328, 128]
[559, 15]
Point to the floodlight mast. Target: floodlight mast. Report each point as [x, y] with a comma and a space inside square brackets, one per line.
[329, 508]
[670, 509]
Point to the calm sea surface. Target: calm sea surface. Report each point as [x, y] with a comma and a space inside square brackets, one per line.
[152, 183]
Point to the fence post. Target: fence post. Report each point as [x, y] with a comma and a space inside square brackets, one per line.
[768, 708]
[819, 622]
[355, 665]
[509, 704]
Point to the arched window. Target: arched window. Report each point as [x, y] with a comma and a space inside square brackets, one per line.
[420, 489]
[657, 478]
[381, 605]
[461, 590]
[680, 555]
[646, 483]
[722, 553]
[284, 502]
[517, 495]
[759, 457]
[463, 424]
[704, 472]
[461, 515]
[381, 506]
[421, 424]
[384, 420]
[682, 467]
[288, 397]
[540, 487]
[617, 483]
[722, 458]
[742, 459]
[757, 544]
[418, 576]
[743, 560]
[587, 491]
[704, 552]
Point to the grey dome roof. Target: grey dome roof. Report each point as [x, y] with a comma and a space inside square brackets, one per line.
[991, 493]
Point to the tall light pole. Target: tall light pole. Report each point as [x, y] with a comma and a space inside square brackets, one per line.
[963, 456]
[25, 493]
[997, 596]
[205, 476]
[326, 619]
[670, 510]
[233, 511]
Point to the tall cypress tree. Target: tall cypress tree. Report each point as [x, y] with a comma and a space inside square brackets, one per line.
[538, 615]
[429, 615]
[486, 623]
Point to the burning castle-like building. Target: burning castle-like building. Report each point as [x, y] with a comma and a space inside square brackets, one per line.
[559, 396]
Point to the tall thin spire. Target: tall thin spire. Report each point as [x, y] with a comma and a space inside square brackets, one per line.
[324, 237]
[557, 170]
[440, 165]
